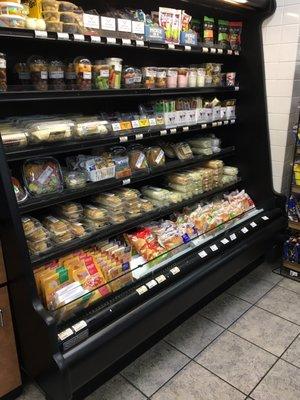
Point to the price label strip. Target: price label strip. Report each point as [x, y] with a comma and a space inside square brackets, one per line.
[173, 130]
[187, 48]
[174, 270]
[123, 139]
[220, 51]
[213, 50]
[202, 254]
[253, 224]
[265, 218]
[63, 36]
[111, 40]
[41, 34]
[95, 39]
[203, 126]
[141, 290]
[126, 42]
[185, 128]
[78, 38]
[224, 241]
[163, 132]
[151, 284]
[140, 43]
[139, 136]
[232, 237]
[171, 46]
[161, 279]
[244, 230]
[205, 50]
[214, 247]
[126, 182]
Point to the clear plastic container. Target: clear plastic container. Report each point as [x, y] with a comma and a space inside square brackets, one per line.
[50, 5]
[86, 128]
[38, 69]
[51, 16]
[11, 8]
[128, 193]
[20, 192]
[155, 156]
[14, 137]
[182, 77]
[56, 226]
[56, 72]
[117, 218]
[75, 180]
[83, 70]
[12, 21]
[200, 77]
[111, 200]
[3, 77]
[54, 26]
[100, 75]
[95, 213]
[68, 17]
[115, 72]
[137, 159]
[149, 77]
[39, 247]
[42, 176]
[192, 79]
[23, 74]
[70, 75]
[79, 229]
[70, 28]
[39, 234]
[66, 6]
[50, 131]
[70, 211]
[172, 76]
[64, 238]
[183, 151]
[121, 161]
[30, 225]
[161, 78]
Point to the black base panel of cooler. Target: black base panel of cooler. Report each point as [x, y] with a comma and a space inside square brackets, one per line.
[74, 369]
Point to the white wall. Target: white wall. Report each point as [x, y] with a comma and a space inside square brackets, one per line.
[282, 65]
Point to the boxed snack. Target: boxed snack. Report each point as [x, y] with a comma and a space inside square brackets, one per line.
[170, 20]
[42, 176]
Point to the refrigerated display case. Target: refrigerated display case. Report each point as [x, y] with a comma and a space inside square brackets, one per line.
[83, 301]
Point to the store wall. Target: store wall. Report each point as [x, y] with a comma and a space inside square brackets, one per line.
[282, 67]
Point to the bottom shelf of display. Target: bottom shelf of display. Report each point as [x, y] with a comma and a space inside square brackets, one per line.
[292, 266]
[294, 225]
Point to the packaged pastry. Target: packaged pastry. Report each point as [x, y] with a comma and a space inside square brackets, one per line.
[233, 171]
[95, 224]
[89, 127]
[179, 178]
[54, 26]
[96, 168]
[155, 156]
[128, 193]
[66, 6]
[50, 5]
[65, 237]
[155, 193]
[202, 142]
[70, 211]
[56, 72]
[137, 159]
[38, 234]
[51, 16]
[39, 247]
[83, 70]
[79, 229]
[50, 131]
[95, 213]
[202, 151]
[183, 151]
[57, 226]
[14, 137]
[20, 192]
[74, 179]
[146, 205]
[38, 69]
[117, 218]
[11, 8]
[42, 176]
[110, 200]
[168, 149]
[121, 161]
[30, 225]
[12, 21]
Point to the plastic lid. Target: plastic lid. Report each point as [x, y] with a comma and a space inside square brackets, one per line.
[10, 4]
[7, 16]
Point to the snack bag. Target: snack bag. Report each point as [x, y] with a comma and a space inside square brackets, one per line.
[223, 33]
[235, 32]
[208, 30]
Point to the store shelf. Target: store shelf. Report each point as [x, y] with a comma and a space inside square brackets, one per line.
[292, 266]
[70, 146]
[110, 184]
[13, 95]
[115, 42]
[126, 226]
[294, 225]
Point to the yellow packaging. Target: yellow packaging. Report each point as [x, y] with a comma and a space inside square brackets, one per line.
[35, 9]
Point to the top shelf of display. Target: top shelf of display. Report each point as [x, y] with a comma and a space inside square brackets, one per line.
[166, 28]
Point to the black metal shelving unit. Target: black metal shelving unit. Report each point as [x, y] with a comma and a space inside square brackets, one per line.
[64, 356]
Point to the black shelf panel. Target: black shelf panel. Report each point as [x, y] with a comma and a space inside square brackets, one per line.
[110, 184]
[33, 95]
[118, 229]
[80, 145]
[113, 42]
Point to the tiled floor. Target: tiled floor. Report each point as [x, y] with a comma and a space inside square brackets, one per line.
[243, 345]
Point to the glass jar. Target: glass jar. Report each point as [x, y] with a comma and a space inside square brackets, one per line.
[100, 75]
[182, 77]
[115, 72]
[192, 80]
[38, 69]
[149, 75]
[200, 77]
[161, 78]
[172, 74]
[56, 71]
[83, 70]
[71, 76]
[3, 78]
[23, 74]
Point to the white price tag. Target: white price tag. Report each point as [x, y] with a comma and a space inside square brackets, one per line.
[236, 88]
[253, 224]
[141, 290]
[91, 21]
[41, 34]
[126, 181]
[116, 126]
[293, 273]
[65, 334]
[232, 236]
[171, 46]
[232, 121]
[213, 50]
[140, 43]
[139, 136]
[205, 50]
[95, 39]
[126, 42]
[151, 284]
[185, 128]
[220, 51]
[187, 48]
[202, 254]
[219, 123]
[78, 37]
[160, 279]
[214, 247]
[111, 40]
[63, 36]
[123, 139]
[203, 126]
[244, 230]
[229, 52]
[174, 270]
[163, 132]
[152, 121]
[214, 124]
[236, 53]
[79, 326]
[265, 218]
[225, 122]
[173, 130]
[224, 241]
[135, 123]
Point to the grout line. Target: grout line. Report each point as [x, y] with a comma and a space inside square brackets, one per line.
[293, 291]
[132, 384]
[288, 320]
[263, 377]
